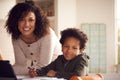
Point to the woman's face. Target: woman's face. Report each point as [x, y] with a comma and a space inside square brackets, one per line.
[71, 48]
[26, 25]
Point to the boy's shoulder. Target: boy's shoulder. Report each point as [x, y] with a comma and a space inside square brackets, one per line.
[83, 56]
[60, 56]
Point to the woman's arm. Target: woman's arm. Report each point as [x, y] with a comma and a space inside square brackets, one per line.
[20, 66]
[49, 48]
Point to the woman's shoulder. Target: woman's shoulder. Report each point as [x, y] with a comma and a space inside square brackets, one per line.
[50, 35]
[16, 41]
[52, 32]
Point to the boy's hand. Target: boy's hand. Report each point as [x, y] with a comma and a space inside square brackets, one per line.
[51, 73]
[32, 72]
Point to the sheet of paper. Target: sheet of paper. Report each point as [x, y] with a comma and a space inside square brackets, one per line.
[43, 78]
[22, 77]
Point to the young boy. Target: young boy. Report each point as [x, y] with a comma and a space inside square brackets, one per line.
[72, 62]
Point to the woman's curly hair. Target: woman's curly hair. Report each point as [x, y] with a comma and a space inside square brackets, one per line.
[76, 33]
[19, 11]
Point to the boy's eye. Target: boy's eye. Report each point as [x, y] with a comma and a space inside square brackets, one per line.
[75, 48]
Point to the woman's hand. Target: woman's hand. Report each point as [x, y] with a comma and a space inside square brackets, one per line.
[51, 73]
[32, 72]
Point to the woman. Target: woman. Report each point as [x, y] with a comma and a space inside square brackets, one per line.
[35, 43]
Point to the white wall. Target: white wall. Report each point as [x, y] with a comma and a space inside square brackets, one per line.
[5, 39]
[5, 6]
[100, 11]
[65, 14]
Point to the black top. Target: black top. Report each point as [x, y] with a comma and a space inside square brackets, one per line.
[66, 69]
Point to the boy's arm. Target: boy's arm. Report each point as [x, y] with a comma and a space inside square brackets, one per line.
[43, 71]
[79, 70]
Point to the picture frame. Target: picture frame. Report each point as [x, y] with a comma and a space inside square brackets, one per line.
[47, 6]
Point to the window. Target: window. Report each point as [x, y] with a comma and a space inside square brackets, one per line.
[118, 27]
[96, 46]
[119, 43]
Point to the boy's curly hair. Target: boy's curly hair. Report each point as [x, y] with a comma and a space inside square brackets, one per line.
[76, 33]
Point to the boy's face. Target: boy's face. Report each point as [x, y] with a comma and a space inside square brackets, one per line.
[71, 48]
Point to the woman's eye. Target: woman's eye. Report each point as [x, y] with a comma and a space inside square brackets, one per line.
[31, 20]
